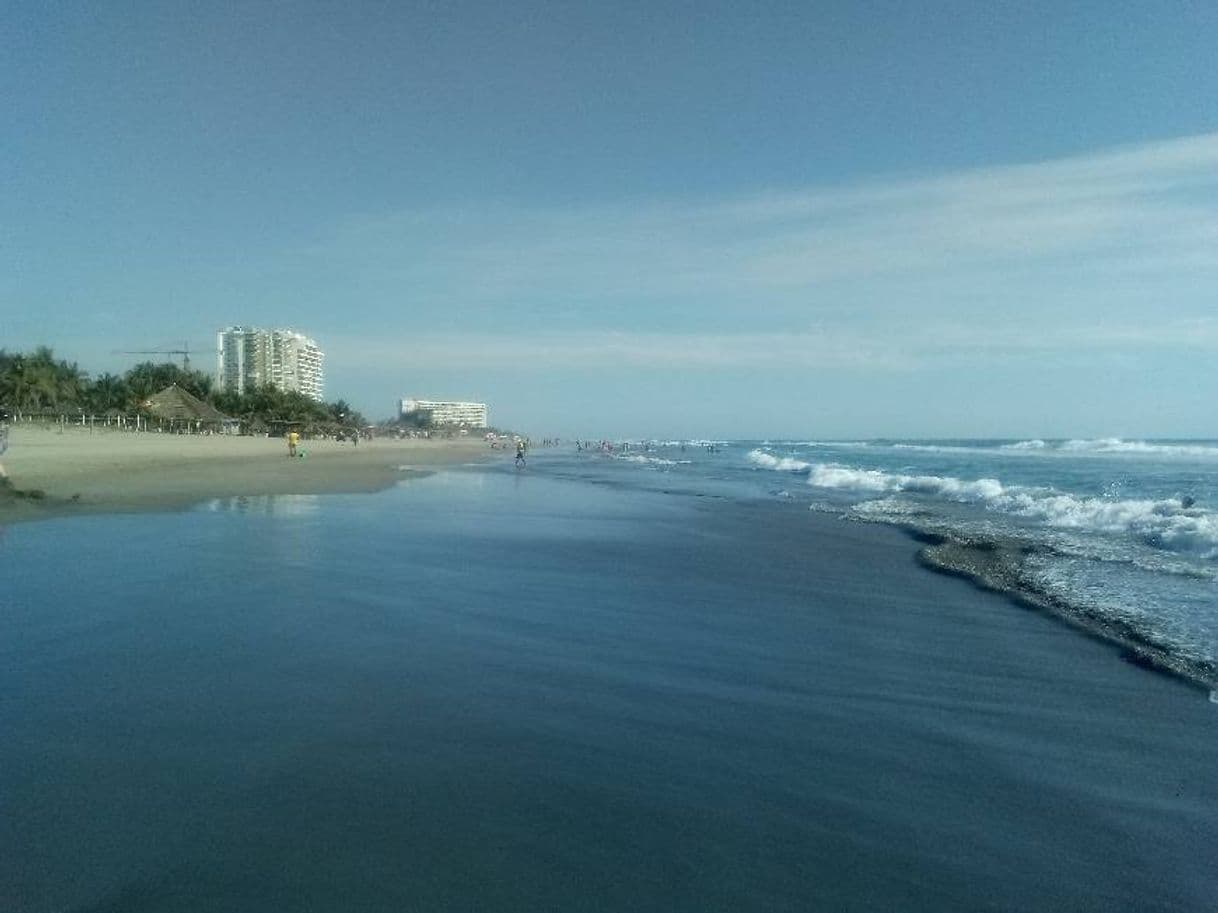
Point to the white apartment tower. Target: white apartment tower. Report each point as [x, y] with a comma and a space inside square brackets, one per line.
[248, 358]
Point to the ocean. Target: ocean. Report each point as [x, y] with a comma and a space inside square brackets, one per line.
[1120, 537]
[677, 676]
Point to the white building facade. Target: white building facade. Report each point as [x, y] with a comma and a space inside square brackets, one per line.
[249, 357]
[473, 415]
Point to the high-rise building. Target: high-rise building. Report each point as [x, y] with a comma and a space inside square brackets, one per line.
[437, 412]
[248, 358]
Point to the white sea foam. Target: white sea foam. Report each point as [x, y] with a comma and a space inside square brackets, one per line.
[1034, 444]
[830, 475]
[831, 444]
[887, 508]
[938, 448]
[1115, 445]
[651, 460]
[1165, 523]
[764, 460]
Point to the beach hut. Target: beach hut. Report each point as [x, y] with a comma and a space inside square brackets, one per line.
[179, 410]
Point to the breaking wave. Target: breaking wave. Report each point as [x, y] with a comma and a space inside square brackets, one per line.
[832, 443]
[765, 460]
[828, 475]
[652, 460]
[937, 448]
[1167, 523]
[1115, 445]
[1116, 548]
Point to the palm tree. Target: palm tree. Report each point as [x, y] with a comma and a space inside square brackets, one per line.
[108, 393]
[148, 378]
[340, 410]
[30, 381]
[70, 385]
[7, 367]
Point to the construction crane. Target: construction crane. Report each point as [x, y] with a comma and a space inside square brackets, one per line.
[184, 352]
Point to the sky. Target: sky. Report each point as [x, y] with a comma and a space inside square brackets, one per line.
[652, 219]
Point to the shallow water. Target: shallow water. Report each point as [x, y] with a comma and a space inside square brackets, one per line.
[504, 690]
[1125, 531]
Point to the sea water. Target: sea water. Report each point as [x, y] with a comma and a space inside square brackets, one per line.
[1123, 533]
[649, 678]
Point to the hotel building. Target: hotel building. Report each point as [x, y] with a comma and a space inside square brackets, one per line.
[248, 358]
[473, 415]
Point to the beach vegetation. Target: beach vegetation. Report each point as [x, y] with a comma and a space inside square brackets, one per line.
[37, 381]
[108, 394]
[419, 420]
[39, 384]
[148, 378]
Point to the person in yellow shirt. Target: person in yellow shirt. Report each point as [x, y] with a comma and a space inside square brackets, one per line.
[293, 440]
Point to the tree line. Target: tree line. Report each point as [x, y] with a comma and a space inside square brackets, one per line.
[39, 383]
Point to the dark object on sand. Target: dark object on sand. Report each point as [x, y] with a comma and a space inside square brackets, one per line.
[9, 490]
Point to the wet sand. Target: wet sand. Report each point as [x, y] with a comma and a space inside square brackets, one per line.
[505, 692]
[74, 470]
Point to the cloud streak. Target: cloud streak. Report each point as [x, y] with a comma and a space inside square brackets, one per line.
[1082, 252]
[897, 349]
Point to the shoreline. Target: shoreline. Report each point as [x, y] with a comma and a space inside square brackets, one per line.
[996, 566]
[572, 665]
[67, 472]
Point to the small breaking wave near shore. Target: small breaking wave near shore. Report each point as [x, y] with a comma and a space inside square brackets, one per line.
[650, 460]
[1009, 566]
[780, 464]
[1170, 523]
[1124, 547]
[1077, 447]
[1126, 551]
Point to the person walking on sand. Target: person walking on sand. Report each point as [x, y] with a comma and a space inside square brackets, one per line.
[520, 454]
[293, 440]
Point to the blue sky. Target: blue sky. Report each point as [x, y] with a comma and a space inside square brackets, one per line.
[811, 219]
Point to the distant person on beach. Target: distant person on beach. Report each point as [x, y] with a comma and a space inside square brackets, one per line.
[293, 440]
[520, 461]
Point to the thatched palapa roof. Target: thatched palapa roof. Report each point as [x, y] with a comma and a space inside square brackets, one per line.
[175, 403]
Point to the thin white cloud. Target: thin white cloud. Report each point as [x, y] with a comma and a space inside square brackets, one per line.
[893, 349]
[1108, 250]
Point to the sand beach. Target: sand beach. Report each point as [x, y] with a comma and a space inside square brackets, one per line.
[73, 470]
